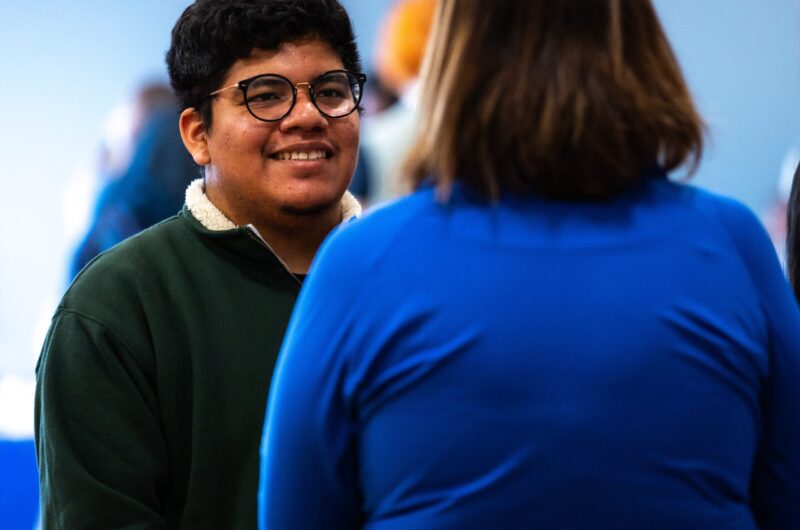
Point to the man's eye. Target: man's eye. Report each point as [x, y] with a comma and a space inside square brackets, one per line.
[263, 97]
[331, 93]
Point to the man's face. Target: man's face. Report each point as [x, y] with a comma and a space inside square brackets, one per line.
[248, 175]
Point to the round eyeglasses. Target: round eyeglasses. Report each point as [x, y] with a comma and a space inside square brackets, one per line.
[271, 97]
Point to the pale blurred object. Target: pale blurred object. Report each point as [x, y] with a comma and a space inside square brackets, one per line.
[16, 407]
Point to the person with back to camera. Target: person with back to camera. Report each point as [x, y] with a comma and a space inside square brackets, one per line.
[152, 383]
[549, 333]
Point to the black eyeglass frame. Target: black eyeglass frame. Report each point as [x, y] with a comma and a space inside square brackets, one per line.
[243, 85]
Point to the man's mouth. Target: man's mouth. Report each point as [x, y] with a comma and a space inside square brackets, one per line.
[300, 155]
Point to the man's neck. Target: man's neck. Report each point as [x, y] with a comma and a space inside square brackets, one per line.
[297, 239]
[293, 236]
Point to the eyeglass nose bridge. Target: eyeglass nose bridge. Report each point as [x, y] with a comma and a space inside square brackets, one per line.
[310, 86]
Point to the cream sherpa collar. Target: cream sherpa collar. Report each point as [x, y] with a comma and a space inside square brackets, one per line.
[203, 210]
[210, 217]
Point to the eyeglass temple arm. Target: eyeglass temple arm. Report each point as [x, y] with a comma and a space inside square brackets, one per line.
[214, 93]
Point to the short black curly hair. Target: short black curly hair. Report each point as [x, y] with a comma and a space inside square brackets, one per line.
[211, 35]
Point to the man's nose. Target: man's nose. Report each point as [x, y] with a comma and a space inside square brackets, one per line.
[305, 114]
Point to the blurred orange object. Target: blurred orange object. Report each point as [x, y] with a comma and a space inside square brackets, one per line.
[402, 42]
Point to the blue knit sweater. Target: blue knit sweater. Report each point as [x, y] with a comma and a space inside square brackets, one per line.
[540, 365]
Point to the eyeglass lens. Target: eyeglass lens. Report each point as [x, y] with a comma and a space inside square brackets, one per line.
[335, 94]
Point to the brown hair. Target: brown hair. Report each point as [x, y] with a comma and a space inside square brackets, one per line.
[567, 99]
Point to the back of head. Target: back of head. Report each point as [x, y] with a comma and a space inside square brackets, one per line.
[572, 99]
[793, 235]
[211, 35]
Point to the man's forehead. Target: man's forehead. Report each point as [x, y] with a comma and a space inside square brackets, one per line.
[299, 45]
[312, 54]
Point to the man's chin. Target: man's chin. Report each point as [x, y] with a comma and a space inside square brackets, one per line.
[310, 209]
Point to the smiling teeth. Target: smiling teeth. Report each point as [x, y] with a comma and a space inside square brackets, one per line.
[310, 155]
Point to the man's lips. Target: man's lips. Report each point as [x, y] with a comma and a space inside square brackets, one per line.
[303, 152]
[300, 155]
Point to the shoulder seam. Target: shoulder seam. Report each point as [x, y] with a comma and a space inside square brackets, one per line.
[64, 310]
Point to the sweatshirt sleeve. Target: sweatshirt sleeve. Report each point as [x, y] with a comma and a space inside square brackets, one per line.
[308, 466]
[101, 455]
[775, 485]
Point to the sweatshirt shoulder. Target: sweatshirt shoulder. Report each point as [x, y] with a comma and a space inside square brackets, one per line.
[120, 267]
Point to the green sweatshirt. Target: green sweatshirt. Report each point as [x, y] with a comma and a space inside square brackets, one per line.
[153, 380]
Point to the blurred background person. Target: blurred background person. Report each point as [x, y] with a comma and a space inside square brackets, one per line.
[144, 176]
[793, 234]
[775, 219]
[388, 134]
[379, 98]
[564, 337]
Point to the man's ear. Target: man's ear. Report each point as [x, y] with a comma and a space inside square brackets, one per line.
[193, 133]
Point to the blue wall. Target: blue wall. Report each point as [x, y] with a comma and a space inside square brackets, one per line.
[741, 59]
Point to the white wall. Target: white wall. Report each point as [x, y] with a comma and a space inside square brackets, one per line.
[63, 66]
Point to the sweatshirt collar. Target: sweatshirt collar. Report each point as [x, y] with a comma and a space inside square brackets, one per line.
[213, 219]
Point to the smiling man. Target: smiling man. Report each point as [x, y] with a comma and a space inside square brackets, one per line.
[152, 382]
